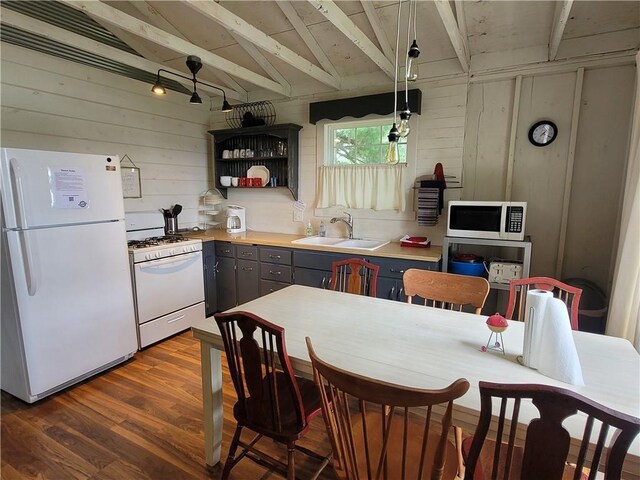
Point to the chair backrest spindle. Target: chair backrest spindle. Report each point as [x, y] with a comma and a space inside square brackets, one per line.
[379, 430]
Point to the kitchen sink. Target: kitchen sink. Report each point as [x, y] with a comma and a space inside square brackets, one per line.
[336, 242]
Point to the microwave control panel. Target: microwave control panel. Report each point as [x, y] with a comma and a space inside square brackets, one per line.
[514, 219]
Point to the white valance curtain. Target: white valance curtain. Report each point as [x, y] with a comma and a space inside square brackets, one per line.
[377, 187]
[624, 311]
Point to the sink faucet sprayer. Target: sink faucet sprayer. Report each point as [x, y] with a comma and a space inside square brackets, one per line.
[348, 223]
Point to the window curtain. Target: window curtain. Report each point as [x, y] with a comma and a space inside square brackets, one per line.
[378, 187]
[624, 311]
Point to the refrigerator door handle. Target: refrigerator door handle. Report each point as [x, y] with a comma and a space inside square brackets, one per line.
[17, 192]
[28, 263]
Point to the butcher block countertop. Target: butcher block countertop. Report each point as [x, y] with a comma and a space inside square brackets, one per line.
[391, 250]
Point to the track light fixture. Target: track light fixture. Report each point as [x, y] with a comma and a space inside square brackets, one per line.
[194, 64]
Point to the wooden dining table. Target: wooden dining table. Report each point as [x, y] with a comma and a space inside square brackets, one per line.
[417, 346]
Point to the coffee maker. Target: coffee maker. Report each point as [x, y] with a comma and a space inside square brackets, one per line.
[236, 220]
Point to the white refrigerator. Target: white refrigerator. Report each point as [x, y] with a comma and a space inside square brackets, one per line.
[67, 304]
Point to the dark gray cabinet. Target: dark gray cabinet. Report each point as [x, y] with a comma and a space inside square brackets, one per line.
[390, 284]
[313, 269]
[275, 147]
[210, 284]
[225, 275]
[275, 269]
[246, 272]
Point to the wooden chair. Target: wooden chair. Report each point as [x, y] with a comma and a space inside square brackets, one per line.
[354, 275]
[271, 401]
[544, 453]
[373, 432]
[518, 294]
[445, 290]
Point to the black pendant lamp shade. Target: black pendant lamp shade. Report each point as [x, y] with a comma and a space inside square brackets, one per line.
[194, 64]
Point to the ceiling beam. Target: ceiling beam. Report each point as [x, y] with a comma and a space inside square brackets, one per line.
[462, 24]
[374, 20]
[306, 36]
[342, 22]
[61, 35]
[261, 60]
[172, 42]
[560, 18]
[237, 25]
[451, 26]
[157, 19]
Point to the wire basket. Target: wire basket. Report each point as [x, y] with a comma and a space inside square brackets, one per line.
[251, 115]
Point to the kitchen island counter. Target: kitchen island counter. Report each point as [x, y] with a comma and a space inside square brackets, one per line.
[390, 250]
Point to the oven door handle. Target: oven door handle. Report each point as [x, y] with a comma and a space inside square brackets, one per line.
[171, 261]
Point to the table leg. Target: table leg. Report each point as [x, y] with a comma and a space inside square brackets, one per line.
[212, 402]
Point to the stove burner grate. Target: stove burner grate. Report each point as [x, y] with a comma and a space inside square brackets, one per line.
[155, 241]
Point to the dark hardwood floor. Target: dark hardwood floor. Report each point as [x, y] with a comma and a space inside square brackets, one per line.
[141, 420]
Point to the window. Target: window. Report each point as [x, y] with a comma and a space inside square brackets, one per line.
[360, 142]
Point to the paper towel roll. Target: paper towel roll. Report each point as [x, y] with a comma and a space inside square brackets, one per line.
[558, 357]
[535, 306]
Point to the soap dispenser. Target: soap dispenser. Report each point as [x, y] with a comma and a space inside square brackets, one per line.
[309, 230]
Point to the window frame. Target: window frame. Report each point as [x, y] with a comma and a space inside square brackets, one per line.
[329, 136]
[410, 174]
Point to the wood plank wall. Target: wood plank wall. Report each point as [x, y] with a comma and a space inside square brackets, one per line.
[53, 104]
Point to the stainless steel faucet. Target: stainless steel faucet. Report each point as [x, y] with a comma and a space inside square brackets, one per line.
[348, 223]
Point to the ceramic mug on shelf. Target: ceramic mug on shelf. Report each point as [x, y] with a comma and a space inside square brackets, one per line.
[225, 181]
[243, 181]
[234, 181]
[243, 152]
[226, 154]
[236, 153]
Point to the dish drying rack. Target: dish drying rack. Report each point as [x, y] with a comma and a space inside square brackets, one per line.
[210, 206]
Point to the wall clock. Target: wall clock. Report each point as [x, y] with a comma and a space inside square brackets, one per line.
[543, 133]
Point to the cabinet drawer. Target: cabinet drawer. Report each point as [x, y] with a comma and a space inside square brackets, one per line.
[275, 255]
[163, 327]
[317, 260]
[247, 252]
[395, 268]
[278, 273]
[267, 287]
[225, 249]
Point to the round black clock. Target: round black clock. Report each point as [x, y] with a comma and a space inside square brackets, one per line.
[543, 133]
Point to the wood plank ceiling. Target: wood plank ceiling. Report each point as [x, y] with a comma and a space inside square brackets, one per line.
[257, 50]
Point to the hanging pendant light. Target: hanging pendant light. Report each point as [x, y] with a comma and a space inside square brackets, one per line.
[392, 152]
[411, 71]
[405, 115]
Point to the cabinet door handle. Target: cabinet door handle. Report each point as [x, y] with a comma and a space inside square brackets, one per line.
[226, 250]
[247, 254]
[392, 293]
[275, 257]
[393, 270]
[215, 267]
[400, 293]
[247, 269]
[271, 272]
[323, 283]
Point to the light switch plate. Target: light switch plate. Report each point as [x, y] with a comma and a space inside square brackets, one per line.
[298, 215]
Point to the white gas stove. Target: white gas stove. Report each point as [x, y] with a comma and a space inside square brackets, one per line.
[166, 272]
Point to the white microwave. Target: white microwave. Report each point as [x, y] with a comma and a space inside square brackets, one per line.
[494, 220]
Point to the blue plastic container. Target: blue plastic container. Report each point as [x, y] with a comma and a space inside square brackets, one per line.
[475, 269]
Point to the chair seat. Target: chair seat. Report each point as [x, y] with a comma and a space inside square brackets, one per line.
[394, 454]
[259, 408]
[485, 462]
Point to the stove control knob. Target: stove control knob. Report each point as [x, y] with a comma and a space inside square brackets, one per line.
[172, 251]
[147, 256]
[157, 254]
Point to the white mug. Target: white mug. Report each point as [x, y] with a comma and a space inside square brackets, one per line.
[236, 153]
[225, 153]
[243, 153]
[234, 181]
